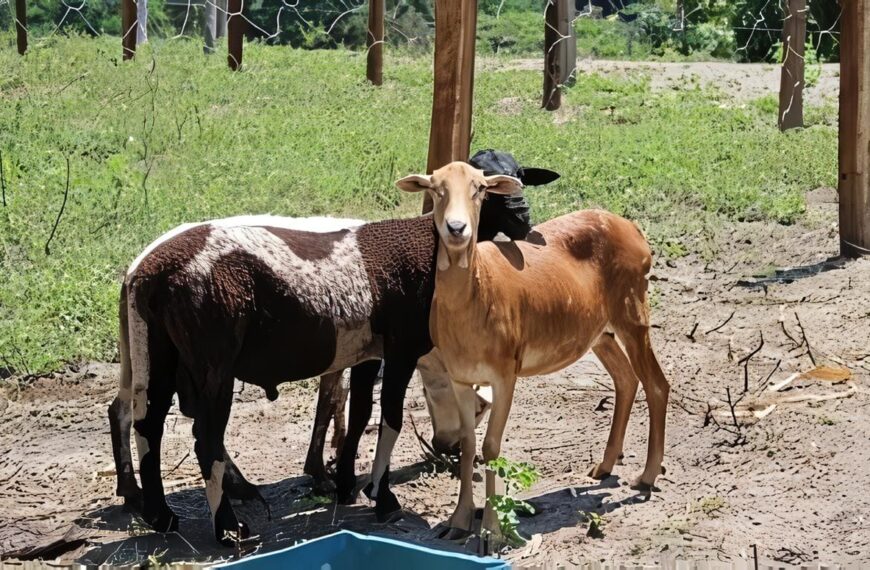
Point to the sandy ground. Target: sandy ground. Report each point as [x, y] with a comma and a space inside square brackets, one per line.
[793, 482]
[740, 81]
[791, 478]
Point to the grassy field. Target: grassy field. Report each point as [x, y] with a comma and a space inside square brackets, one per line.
[174, 137]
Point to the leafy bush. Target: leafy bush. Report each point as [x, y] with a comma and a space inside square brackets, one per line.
[515, 33]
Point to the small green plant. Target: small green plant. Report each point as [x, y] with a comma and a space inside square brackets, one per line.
[710, 506]
[596, 524]
[517, 477]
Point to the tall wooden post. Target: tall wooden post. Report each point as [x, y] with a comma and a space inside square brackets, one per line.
[854, 152]
[21, 25]
[375, 43]
[128, 28]
[791, 87]
[235, 33]
[450, 133]
[552, 98]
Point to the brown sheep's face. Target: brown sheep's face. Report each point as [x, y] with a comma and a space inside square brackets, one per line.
[457, 191]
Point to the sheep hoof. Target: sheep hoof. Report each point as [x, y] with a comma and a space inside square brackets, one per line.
[387, 507]
[133, 502]
[642, 486]
[163, 521]
[599, 473]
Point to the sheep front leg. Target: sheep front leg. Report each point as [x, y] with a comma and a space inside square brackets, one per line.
[462, 518]
[502, 398]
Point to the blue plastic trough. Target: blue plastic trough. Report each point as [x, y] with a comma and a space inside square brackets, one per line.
[346, 550]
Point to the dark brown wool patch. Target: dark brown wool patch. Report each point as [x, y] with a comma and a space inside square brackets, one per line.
[174, 253]
[399, 258]
[308, 245]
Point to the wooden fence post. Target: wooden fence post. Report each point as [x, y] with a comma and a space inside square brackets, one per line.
[791, 87]
[450, 132]
[21, 25]
[567, 12]
[235, 33]
[552, 98]
[375, 43]
[128, 28]
[854, 153]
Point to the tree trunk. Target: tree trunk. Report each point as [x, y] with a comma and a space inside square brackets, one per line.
[791, 87]
[235, 33]
[21, 25]
[375, 43]
[854, 152]
[450, 132]
[128, 28]
[552, 98]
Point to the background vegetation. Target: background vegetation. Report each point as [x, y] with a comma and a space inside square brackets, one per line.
[742, 30]
[173, 136]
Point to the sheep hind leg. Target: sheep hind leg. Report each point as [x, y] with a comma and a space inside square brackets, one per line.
[655, 385]
[120, 424]
[625, 382]
[328, 395]
[149, 435]
[209, 430]
[362, 384]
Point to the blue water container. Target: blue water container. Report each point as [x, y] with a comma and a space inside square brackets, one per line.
[346, 550]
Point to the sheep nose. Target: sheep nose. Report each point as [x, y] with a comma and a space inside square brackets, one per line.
[456, 228]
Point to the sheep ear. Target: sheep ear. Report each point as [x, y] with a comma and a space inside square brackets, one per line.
[501, 184]
[414, 183]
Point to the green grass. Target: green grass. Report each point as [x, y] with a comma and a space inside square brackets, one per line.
[156, 142]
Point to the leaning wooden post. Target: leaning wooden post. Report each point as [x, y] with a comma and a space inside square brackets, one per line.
[235, 33]
[21, 25]
[552, 99]
[791, 87]
[854, 152]
[450, 131]
[128, 28]
[375, 43]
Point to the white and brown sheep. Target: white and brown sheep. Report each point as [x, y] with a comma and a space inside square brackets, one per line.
[255, 299]
[502, 311]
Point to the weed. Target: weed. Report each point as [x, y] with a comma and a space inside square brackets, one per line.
[596, 523]
[517, 477]
[710, 506]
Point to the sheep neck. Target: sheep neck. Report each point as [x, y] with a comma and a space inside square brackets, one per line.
[456, 286]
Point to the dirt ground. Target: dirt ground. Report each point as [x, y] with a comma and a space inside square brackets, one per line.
[787, 471]
[741, 81]
[791, 482]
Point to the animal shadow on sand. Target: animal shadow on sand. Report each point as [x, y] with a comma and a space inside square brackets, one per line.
[118, 538]
[567, 507]
[297, 514]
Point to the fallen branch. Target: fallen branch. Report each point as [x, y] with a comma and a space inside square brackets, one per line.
[806, 341]
[691, 335]
[60, 213]
[769, 376]
[785, 332]
[745, 362]
[725, 322]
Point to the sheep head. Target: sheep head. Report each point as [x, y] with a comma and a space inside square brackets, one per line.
[457, 192]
